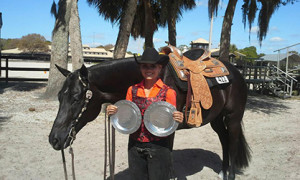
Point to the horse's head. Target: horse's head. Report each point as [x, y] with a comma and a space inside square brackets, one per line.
[73, 100]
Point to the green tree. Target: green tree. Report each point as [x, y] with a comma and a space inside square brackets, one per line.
[250, 52]
[148, 15]
[33, 43]
[267, 9]
[294, 52]
[121, 11]
[232, 48]
[249, 7]
[171, 12]
[146, 21]
[9, 43]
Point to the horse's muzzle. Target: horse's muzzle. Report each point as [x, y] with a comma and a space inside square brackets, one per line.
[58, 143]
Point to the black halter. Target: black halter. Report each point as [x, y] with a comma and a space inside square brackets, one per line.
[88, 96]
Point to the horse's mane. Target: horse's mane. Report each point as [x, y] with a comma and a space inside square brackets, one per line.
[113, 63]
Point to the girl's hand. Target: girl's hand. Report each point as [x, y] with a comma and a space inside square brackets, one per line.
[111, 110]
[178, 116]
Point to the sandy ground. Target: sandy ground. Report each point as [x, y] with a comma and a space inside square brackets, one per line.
[271, 128]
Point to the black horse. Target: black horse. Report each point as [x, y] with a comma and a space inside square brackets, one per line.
[109, 81]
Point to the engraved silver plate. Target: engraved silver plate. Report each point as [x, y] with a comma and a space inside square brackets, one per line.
[128, 118]
[158, 119]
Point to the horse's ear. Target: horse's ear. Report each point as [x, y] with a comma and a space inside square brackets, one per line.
[84, 71]
[65, 72]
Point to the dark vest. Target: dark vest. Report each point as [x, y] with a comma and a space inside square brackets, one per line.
[142, 134]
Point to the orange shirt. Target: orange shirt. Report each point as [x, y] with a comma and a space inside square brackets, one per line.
[170, 96]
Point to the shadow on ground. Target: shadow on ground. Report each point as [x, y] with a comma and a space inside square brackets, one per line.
[265, 104]
[3, 120]
[21, 86]
[186, 163]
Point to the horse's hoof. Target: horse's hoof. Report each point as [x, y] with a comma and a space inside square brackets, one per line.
[222, 175]
[231, 177]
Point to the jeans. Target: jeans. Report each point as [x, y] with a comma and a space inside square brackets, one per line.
[150, 160]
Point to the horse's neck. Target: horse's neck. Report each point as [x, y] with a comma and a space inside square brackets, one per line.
[114, 76]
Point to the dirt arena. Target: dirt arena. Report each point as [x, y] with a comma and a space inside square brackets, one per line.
[271, 128]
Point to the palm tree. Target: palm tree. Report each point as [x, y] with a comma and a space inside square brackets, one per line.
[171, 11]
[147, 15]
[152, 14]
[125, 29]
[146, 21]
[249, 10]
[121, 11]
[59, 47]
[75, 37]
[267, 10]
[226, 27]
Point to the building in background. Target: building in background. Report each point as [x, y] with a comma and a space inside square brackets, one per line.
[88, 52]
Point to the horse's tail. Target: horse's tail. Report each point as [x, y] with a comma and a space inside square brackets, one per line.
[243, 152]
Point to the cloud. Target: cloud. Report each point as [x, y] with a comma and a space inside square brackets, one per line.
[274, 29]
[195, 33]
[95, 44]
[205, 3]
[254, 29]
[201, 3]
[96, 36]
[136, 46]
[294, 35]
[157, 40]
[180, 37]
[276, 39]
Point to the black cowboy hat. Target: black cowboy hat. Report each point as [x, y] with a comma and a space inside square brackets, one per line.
[151, 56]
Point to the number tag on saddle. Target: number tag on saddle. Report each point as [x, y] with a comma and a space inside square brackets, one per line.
[222, 79]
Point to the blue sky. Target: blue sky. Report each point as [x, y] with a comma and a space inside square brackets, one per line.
[23, 17]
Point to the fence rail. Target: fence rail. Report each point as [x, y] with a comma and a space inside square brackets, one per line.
[45, 58]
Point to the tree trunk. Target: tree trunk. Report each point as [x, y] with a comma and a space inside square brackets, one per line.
[226, 30]
[125, 29]
[172, 24]
[75, 37]
[149, 24]
[59, 48]
[172, 30]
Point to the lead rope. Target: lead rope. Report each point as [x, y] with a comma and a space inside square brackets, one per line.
[105, 146]
[64, 163]
[111, 150]
[109, 138]
[73, 167]
[72, 135]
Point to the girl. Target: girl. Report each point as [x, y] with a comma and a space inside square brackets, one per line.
[149, 156]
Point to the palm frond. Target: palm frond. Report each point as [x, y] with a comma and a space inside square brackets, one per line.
[53, 10]
[110, 10]
[213, 8]
[265, 14]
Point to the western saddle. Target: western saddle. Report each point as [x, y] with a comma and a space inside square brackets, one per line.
[194, 72]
